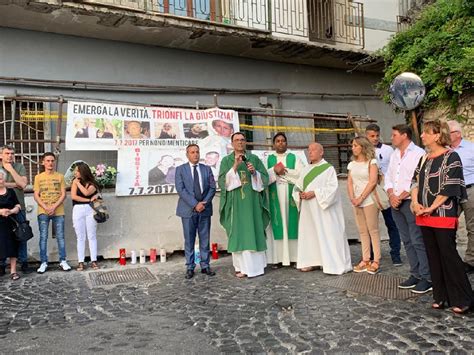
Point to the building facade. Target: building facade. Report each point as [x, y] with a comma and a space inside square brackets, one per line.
[280, 58]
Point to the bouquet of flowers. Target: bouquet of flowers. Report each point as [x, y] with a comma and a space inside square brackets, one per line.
[105, 175]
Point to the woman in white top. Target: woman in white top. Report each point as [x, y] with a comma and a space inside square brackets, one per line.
[361, 182]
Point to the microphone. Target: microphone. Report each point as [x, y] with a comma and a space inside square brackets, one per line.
[245, 160]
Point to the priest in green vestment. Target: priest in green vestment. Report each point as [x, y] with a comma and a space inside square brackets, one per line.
[321, 230]
[243, 208]
[282, 234]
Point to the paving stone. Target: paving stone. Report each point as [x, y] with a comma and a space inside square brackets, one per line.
[459, 352]
[284, 311]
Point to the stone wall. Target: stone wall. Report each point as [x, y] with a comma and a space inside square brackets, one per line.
[465, 109]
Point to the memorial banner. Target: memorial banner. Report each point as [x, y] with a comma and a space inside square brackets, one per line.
[147, 171]
[101, 126]
[151, 170]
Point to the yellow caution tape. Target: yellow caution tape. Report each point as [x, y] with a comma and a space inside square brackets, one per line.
[297, 129]
[35, 116]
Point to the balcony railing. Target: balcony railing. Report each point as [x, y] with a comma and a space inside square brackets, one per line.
[403, 23]
[330, 21]
[336, 21]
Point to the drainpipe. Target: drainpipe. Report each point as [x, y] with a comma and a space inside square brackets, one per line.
[269, 15]
[57, 144]
[13, 113]
[265, 104]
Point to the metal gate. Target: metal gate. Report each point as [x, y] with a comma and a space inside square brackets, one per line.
[20, 128]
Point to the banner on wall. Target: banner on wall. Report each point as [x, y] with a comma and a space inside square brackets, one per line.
[151, 171]
[101, 126]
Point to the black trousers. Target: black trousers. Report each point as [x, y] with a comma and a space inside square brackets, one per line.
[450, 282]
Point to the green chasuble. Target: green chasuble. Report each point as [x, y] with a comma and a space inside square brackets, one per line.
[292, 218]
[243, 211]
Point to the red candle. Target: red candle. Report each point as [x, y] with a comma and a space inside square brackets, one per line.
[152, 255]
[215, 254]
[123, 257]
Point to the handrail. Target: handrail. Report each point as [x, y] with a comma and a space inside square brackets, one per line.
[328, 21]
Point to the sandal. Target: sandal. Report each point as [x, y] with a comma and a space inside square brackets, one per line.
[373, 268]
[239, 275]
[460, 310]
[80, 267]
[362, 266]
[14, 276]
[438, 305]
[94, 265]
[307, 269]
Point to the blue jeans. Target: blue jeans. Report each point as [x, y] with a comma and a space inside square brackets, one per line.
[394, 236]
[43, 223]
[413, 241]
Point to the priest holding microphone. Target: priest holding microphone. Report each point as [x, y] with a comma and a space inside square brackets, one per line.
[243, 208]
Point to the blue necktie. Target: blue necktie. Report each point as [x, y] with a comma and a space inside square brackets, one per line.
[197, 186]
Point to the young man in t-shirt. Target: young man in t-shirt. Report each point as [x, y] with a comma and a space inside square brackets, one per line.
[50, 193]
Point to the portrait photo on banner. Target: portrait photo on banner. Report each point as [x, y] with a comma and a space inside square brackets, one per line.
[163, 166]
[167, 130]
[136, 129]
[195, 130]
[98, 128]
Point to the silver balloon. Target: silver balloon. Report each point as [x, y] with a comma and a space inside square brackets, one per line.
[407, 91]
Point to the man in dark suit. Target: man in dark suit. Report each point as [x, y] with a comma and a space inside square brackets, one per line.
[196, 188]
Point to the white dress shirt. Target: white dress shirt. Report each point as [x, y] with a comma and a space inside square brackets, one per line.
[199, 174]
[401, 169]
[465, 149]
[383, 153]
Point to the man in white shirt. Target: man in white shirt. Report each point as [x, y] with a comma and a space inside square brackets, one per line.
[465, 149]
[383, 152]
[398, 179]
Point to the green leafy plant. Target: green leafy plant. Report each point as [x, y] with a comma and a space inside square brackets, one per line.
[439, 48]
[105, 175]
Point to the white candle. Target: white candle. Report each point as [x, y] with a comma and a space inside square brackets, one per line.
[162, 255]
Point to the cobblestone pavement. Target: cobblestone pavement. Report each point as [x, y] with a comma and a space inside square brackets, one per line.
[283, 311]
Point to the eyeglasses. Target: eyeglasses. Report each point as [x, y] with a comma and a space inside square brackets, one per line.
[454, 132]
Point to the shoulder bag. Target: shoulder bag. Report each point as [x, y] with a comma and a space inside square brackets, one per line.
[101, 213]
[21, 227]
[412, 203]
[379, 195]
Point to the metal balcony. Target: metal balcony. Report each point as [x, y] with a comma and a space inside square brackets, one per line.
[328, 21]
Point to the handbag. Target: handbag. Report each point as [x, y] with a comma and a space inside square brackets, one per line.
[379, 195]
[21, 228]
[100, 210]
[412, 203]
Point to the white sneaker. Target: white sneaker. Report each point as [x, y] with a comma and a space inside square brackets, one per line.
[64, 265]
[43, 267]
